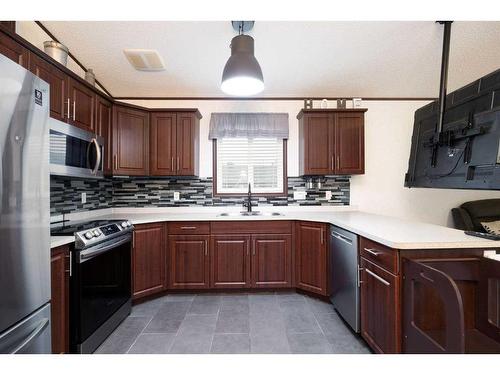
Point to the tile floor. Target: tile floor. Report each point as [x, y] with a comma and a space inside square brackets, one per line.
[233, 323]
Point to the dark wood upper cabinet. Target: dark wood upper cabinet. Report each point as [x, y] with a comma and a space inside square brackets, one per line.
[58, 81]
[59, 302]
[174, 143]
[272, 261]
[14, 51]
[230, 261]
[331, 141]
[148, 260]
[130, 141]
[188, 261]
[82, 106]
[9, 25]
[103, 121]
[379, 297]
[311, 257]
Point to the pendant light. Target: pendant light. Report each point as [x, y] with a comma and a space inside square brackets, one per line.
[242, 75]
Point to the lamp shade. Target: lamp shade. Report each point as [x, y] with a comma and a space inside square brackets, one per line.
[242, 74]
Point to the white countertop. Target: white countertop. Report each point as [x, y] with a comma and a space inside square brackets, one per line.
[56, 241]
[390, 231]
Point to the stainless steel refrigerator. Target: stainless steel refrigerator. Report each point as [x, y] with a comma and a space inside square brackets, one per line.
[24, 211]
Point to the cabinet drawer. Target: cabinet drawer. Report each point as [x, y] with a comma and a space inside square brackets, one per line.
[189, 227]
[379, 254]
[252, 226]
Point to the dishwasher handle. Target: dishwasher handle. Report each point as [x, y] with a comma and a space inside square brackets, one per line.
[341, 237]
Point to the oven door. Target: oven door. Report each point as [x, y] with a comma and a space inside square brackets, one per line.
[101, 284]
[75, 152]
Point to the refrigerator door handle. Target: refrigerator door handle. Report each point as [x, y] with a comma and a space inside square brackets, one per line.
[37, 331]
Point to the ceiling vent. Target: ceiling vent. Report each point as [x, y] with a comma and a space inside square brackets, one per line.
[145, 60]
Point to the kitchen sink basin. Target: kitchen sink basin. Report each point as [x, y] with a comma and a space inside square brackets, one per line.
[253, 213]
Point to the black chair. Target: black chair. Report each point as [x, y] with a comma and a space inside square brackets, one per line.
[470, 214]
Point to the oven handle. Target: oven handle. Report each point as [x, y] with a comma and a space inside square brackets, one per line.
[93, 252]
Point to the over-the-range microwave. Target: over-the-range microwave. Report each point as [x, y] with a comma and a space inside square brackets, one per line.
[75, 152]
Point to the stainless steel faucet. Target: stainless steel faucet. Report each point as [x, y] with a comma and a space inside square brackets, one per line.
[248, 203]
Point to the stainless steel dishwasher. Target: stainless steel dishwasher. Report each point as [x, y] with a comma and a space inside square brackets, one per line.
[344, 275]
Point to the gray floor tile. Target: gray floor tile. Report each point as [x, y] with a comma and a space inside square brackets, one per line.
[198, 324]
[332, 324]
[234, 304]
[231, 344]
[192, 343]
[267, 323]
[289, 296]
[168, 318]
[299, 318]
[269, 343]
[309, 343]
[148, 308]
[152, 343]
[347, 344]
[208, 304]
[319, 307]
[233, 323]
[123, 336]
[179, 297]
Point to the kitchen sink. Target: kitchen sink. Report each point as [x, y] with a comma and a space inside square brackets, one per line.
[253, 213]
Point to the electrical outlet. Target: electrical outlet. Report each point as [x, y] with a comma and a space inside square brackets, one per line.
[299, 195]
[328, 195]
[177, 196]
[84, 198]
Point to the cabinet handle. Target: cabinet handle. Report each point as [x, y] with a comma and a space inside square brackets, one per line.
[115, 162]
[360, 269]
[206, 248]
[188, 228]
[372, 251]
[178, 163]
[74, 110]
[172, 164]
[338, 162]
[70, 270]
[333, 167]
[383, 281]
[69, 116]
[322, 236]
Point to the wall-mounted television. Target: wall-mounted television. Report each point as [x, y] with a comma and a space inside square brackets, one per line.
[467, 153]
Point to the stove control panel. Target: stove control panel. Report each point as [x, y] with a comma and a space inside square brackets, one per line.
[93, 236]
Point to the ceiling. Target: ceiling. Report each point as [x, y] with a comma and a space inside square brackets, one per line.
[346, 59]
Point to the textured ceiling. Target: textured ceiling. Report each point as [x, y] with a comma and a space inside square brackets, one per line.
[365, 59]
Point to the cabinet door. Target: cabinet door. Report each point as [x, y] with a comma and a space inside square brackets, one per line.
[318, 143]
[349, 143]
[148, 260]
[189, 261]
[230, 261]
[130, 142]
[58, 81]
[272, 261]
[82, 102]
[14, 51]
[311, 257]
[103, 128]
[186, 142]
[163, 144]
[379, 308]
[59, 303]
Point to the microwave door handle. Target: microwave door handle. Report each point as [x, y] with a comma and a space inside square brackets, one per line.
[99, 155]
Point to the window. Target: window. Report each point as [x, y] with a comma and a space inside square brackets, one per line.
[258, 161]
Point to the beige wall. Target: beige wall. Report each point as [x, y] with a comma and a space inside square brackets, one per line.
[381, 189]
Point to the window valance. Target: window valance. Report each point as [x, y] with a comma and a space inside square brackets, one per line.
[250, 125]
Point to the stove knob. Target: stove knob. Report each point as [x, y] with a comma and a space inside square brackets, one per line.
[96, 233]
[124, 224]
[89, 235]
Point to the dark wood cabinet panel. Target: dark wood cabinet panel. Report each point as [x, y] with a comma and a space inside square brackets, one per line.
[9, 25]
[188, 261]
[82, 102]
[230, 261]
[58, 81]
[316, 134]
[59, 304]
[380, 308]
[187, 144]
[13, 50]
[163, 144]
[103, 121]
[272, 261]
[130, 142]
[349, 143]
[148, 260]
[311, 257]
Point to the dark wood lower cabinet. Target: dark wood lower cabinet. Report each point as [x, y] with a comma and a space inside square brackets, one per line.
[272, 261]
[230, 261]
[312, 257]
[59, 304]
[188, 261]
[380, 322]
[148, 260]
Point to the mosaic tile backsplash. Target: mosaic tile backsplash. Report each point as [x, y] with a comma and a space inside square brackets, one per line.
[65, 193]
